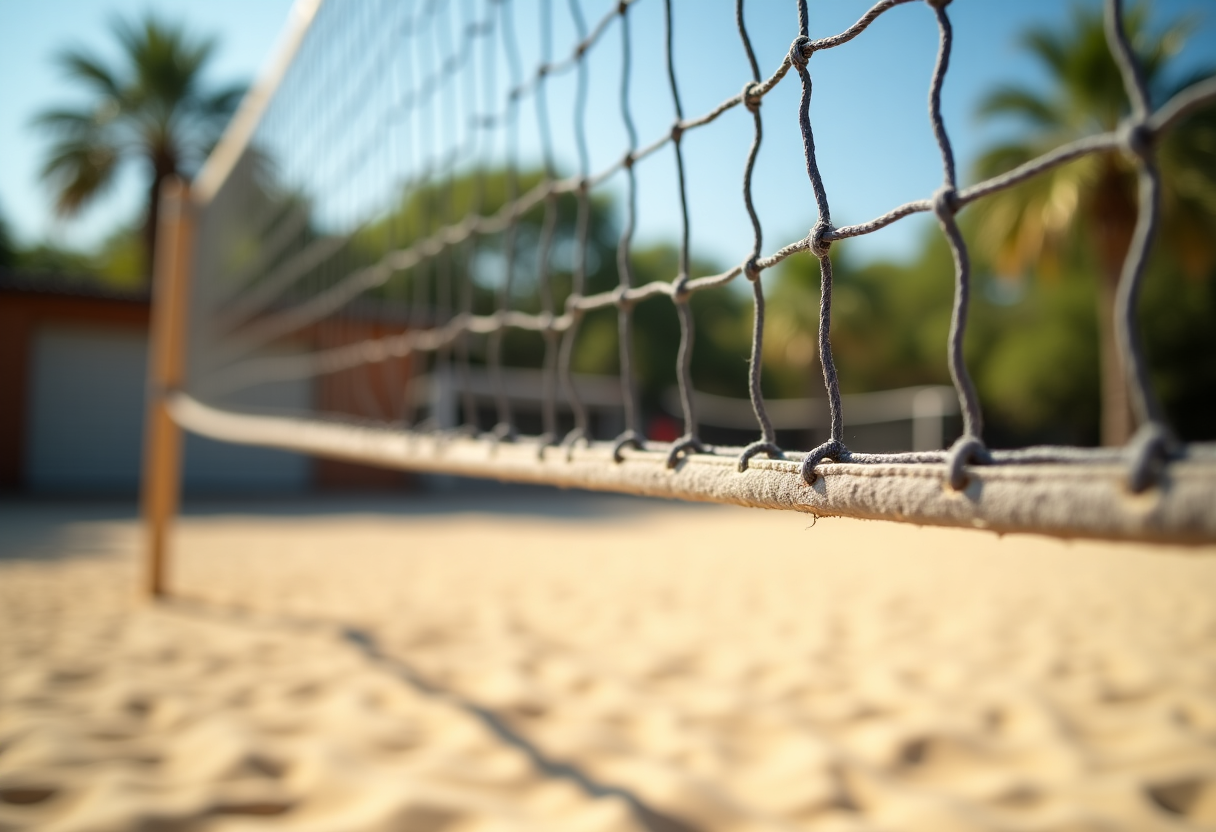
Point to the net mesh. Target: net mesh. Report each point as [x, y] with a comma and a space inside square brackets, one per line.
[394, 212]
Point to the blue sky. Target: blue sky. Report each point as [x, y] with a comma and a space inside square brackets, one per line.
[869, 105]
[32, 31]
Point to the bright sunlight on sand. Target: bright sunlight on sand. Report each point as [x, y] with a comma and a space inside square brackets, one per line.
[578, 662]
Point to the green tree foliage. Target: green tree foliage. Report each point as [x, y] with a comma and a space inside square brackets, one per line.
[1032, 345]
[888, 324]
[1046, 255]
[151, 106]
[1091, 203]
[722, 321]
[44, 259]
[8, 248]
[1179, 320]
[117, 262]
[721, 338]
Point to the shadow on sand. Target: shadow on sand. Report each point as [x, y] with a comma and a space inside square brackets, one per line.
[49, 527]
[367, 645]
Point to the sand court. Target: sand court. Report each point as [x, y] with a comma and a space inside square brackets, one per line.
[526, 659]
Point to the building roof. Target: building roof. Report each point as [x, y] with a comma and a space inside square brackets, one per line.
[65, 285]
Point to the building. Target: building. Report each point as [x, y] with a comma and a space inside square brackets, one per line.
[73, 358]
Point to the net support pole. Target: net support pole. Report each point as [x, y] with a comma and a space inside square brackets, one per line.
[162, 463]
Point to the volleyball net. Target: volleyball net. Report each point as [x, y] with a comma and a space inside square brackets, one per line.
[429, 213]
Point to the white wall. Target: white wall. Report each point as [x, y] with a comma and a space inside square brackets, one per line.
[86, 413]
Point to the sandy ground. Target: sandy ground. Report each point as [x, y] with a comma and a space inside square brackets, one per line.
[532, 661]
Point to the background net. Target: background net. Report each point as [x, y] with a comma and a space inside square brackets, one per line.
[414, 228]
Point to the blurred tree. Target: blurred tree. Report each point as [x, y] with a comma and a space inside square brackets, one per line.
[8, 249]
[1032, 345]
[151, 105]
[889, 322]
[1034, 223]
[119, 260]
[721, 336]
[46, 259]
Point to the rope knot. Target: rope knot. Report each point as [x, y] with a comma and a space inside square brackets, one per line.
[751, 270]
[751, 96]
[583, 186]
[679, 288]
[1148, 452]
[620, 297]
[945, 201]
[965, 450]
[820, 245]
[833, 449]
[677, 131]
[628, 161]
[1137, 139]
[622, 7]
[798, 56]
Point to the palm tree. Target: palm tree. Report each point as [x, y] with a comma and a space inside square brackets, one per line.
[1034, 223]
[150, 106]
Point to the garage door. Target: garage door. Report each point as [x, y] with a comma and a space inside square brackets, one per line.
[85, 421]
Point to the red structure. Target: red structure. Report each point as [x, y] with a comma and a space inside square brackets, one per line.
[28, 302]
[32, 302]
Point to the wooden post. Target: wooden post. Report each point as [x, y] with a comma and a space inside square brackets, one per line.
[161, 485]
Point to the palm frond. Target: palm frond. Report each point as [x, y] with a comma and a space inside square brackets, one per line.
[1188, 161]
[1020, 102]
[81, 66]
[166, 62]
[1187, 81]
[1003, 158]
[1048, 46]
[66, 122]
[222, 103]
[79, 170]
